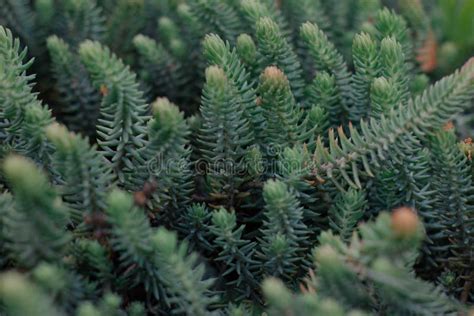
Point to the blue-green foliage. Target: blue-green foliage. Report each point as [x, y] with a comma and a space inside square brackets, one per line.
[123, 111]
[231, 157]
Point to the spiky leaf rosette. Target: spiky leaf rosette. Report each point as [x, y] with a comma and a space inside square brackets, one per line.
[168, 163]
[453, 207]
[283, 232]
[298, 12]
[393, 67]
[84, 173]
[337, 280]
[218, 52]
[366, 64]
[253, 11]
[323, 92]
[168, 131]
[247, 51]
[182, 275]
[123, 112]
[22, 115]
[383, 97]
[408, 172]
[154, 260]
[346, 211]
[236, 254]
[282, 117]
[326, 57]
[35, 226]
[386, 245]
[225, 133]
[389, 24]
[318, 123]
[293, 164]
[423, 114]
[32, 141]
[195, 224]
[274, 50]
[131, 237]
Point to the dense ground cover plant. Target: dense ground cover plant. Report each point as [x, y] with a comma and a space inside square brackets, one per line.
[233, 157]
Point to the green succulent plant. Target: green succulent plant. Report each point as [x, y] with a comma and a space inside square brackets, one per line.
[233, 157]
